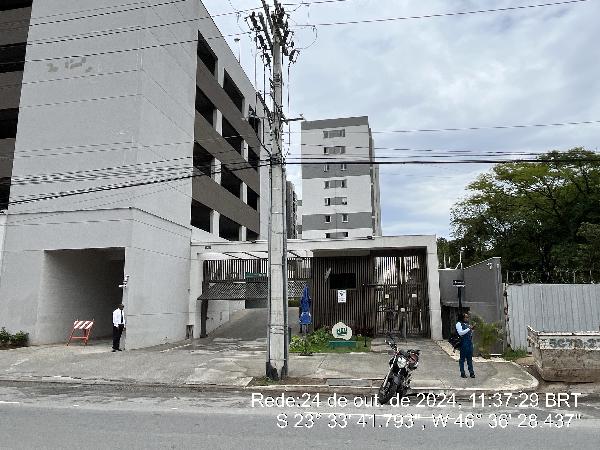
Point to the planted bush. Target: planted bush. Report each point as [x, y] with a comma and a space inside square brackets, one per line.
[313, 342]
[19, 339]
[4, 336]
[299, 344]
[487, 335]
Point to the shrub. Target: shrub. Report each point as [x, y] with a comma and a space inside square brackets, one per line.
[316, 341]
[4, 336]
[299, 344]
[19, 339]
[488, 334]
[320, 337]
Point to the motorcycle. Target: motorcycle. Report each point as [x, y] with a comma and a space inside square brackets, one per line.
[397, 381]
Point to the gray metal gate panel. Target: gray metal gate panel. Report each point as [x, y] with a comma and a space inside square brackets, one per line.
[551, 307]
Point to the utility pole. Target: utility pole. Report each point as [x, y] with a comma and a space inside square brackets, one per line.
[273, 37]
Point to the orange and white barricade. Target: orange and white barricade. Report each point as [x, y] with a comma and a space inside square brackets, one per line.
[85, 326]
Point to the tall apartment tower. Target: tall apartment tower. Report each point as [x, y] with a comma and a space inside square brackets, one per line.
[338, 199]
[127, 130]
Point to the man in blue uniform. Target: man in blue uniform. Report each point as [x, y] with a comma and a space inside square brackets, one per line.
[465, 331]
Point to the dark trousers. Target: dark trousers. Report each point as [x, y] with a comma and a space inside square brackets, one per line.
[466, 353]
[117, 332]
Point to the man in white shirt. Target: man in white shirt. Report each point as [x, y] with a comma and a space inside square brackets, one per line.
[119, 322]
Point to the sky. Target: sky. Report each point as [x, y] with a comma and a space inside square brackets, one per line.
[527, 66]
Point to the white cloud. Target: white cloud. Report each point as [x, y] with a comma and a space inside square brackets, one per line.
[536, 65]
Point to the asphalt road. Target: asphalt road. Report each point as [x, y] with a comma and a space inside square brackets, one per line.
[58, 416]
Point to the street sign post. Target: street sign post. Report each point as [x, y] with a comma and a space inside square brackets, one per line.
[459, 284]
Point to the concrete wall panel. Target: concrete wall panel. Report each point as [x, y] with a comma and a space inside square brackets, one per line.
[19, 290]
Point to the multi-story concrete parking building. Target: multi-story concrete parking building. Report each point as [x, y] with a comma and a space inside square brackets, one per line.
[127, 130]
[339, 198]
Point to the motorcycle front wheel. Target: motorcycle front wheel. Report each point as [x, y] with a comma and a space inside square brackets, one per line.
[402, 388]
[386, 391]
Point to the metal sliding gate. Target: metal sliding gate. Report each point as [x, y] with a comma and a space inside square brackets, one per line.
[400, 290]
[386, 282]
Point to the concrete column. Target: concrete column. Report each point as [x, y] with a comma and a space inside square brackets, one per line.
[195, 291]
[214, 223]
[243, 232]
[435, 308]
[220, 74]
[2, 234]
[217, 171]
[245, 150]
[218, 122]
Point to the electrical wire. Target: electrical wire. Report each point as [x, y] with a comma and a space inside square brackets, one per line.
[170, 177]
[450, 14]
[493, 127]
[462, 161]
[112, 52]
[314, 2]
[33, 23]
[103, 188]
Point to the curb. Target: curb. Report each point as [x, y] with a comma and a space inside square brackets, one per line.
[447, 348]
[280, 388]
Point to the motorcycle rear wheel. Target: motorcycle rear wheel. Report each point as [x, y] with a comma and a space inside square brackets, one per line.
[386, 391]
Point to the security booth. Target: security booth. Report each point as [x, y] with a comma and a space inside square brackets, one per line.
[374, 285]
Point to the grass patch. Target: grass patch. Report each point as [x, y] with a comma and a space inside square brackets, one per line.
[318, 342]
[264, 381]
[511, 355]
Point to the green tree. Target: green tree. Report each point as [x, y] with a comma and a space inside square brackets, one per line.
[450, 250]
[589, 250]
[536, 216]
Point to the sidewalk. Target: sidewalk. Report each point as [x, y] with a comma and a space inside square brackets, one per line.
[220, 362]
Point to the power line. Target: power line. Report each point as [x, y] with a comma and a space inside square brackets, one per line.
[411, 149]
[112, 52]
[62, 194]
[450, 14]
[32, 21]
[462, 161]
[109, 32]
[153, 167]
[85, 200]
[54, 195]
[245, 33]
[94, 149]
[143, 168]
[314, 2]
[493, 127]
